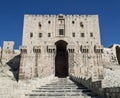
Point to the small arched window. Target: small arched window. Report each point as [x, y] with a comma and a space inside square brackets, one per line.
[81, 24]
[73, 22]
[49, 22]
[31, 34]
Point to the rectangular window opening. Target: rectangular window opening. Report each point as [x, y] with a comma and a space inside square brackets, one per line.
[61, 31]
[82, 35]
[31, 34]
[91, 34]
[73, 34]
[49, 34]
[40, 35]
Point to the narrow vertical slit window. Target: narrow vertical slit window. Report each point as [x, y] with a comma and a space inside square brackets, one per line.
[91, 34]
[49, 22]
[49, 34]
[40, 35]
[73, 34]
[31, 35]
[39, 24]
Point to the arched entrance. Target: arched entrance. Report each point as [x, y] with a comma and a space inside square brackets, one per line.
[61, 59]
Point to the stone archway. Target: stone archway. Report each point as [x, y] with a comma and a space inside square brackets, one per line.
[61, 59]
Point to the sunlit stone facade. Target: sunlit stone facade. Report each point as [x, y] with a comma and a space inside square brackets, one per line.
[62, 45]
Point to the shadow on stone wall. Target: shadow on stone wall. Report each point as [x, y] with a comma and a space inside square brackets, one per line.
[118, 53]
[96, 87]
[14, 65]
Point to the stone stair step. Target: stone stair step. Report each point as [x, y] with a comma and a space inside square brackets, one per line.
[60, 85]
[63, 88]
[56, 88]
[58, 94]
[60, 97]
[55, 91]
[59, 90]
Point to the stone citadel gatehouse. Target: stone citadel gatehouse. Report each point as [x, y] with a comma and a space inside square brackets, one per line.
[62, 45]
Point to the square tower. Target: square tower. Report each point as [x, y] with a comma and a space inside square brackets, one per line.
[7, 51]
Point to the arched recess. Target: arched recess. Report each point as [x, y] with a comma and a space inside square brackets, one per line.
[61, 59]
[118, 53]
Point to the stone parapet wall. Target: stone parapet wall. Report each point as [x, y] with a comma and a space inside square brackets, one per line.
[96, 87]
[113, 92]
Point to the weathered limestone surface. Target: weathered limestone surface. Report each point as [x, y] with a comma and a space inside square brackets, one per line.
[9, 88]
[86, 56]
[109, 55]
[112, 77]
[47, 36]
[41, 32]
[109, 86]
[8, 52]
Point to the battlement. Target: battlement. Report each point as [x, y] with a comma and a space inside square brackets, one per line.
[83, 15]
[60, 15]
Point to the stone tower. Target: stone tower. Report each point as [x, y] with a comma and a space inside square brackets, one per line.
[62, 45]
[7, 51]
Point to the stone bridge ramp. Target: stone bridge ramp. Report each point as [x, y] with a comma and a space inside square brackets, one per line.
[63, 88]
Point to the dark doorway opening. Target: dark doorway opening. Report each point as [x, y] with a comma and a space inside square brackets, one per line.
[118, 53]
[61, 59]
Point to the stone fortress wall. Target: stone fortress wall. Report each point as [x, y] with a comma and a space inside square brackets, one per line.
[8, 52]
[79, 35]
[42, 32]
[110, 55]
[38, 50]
